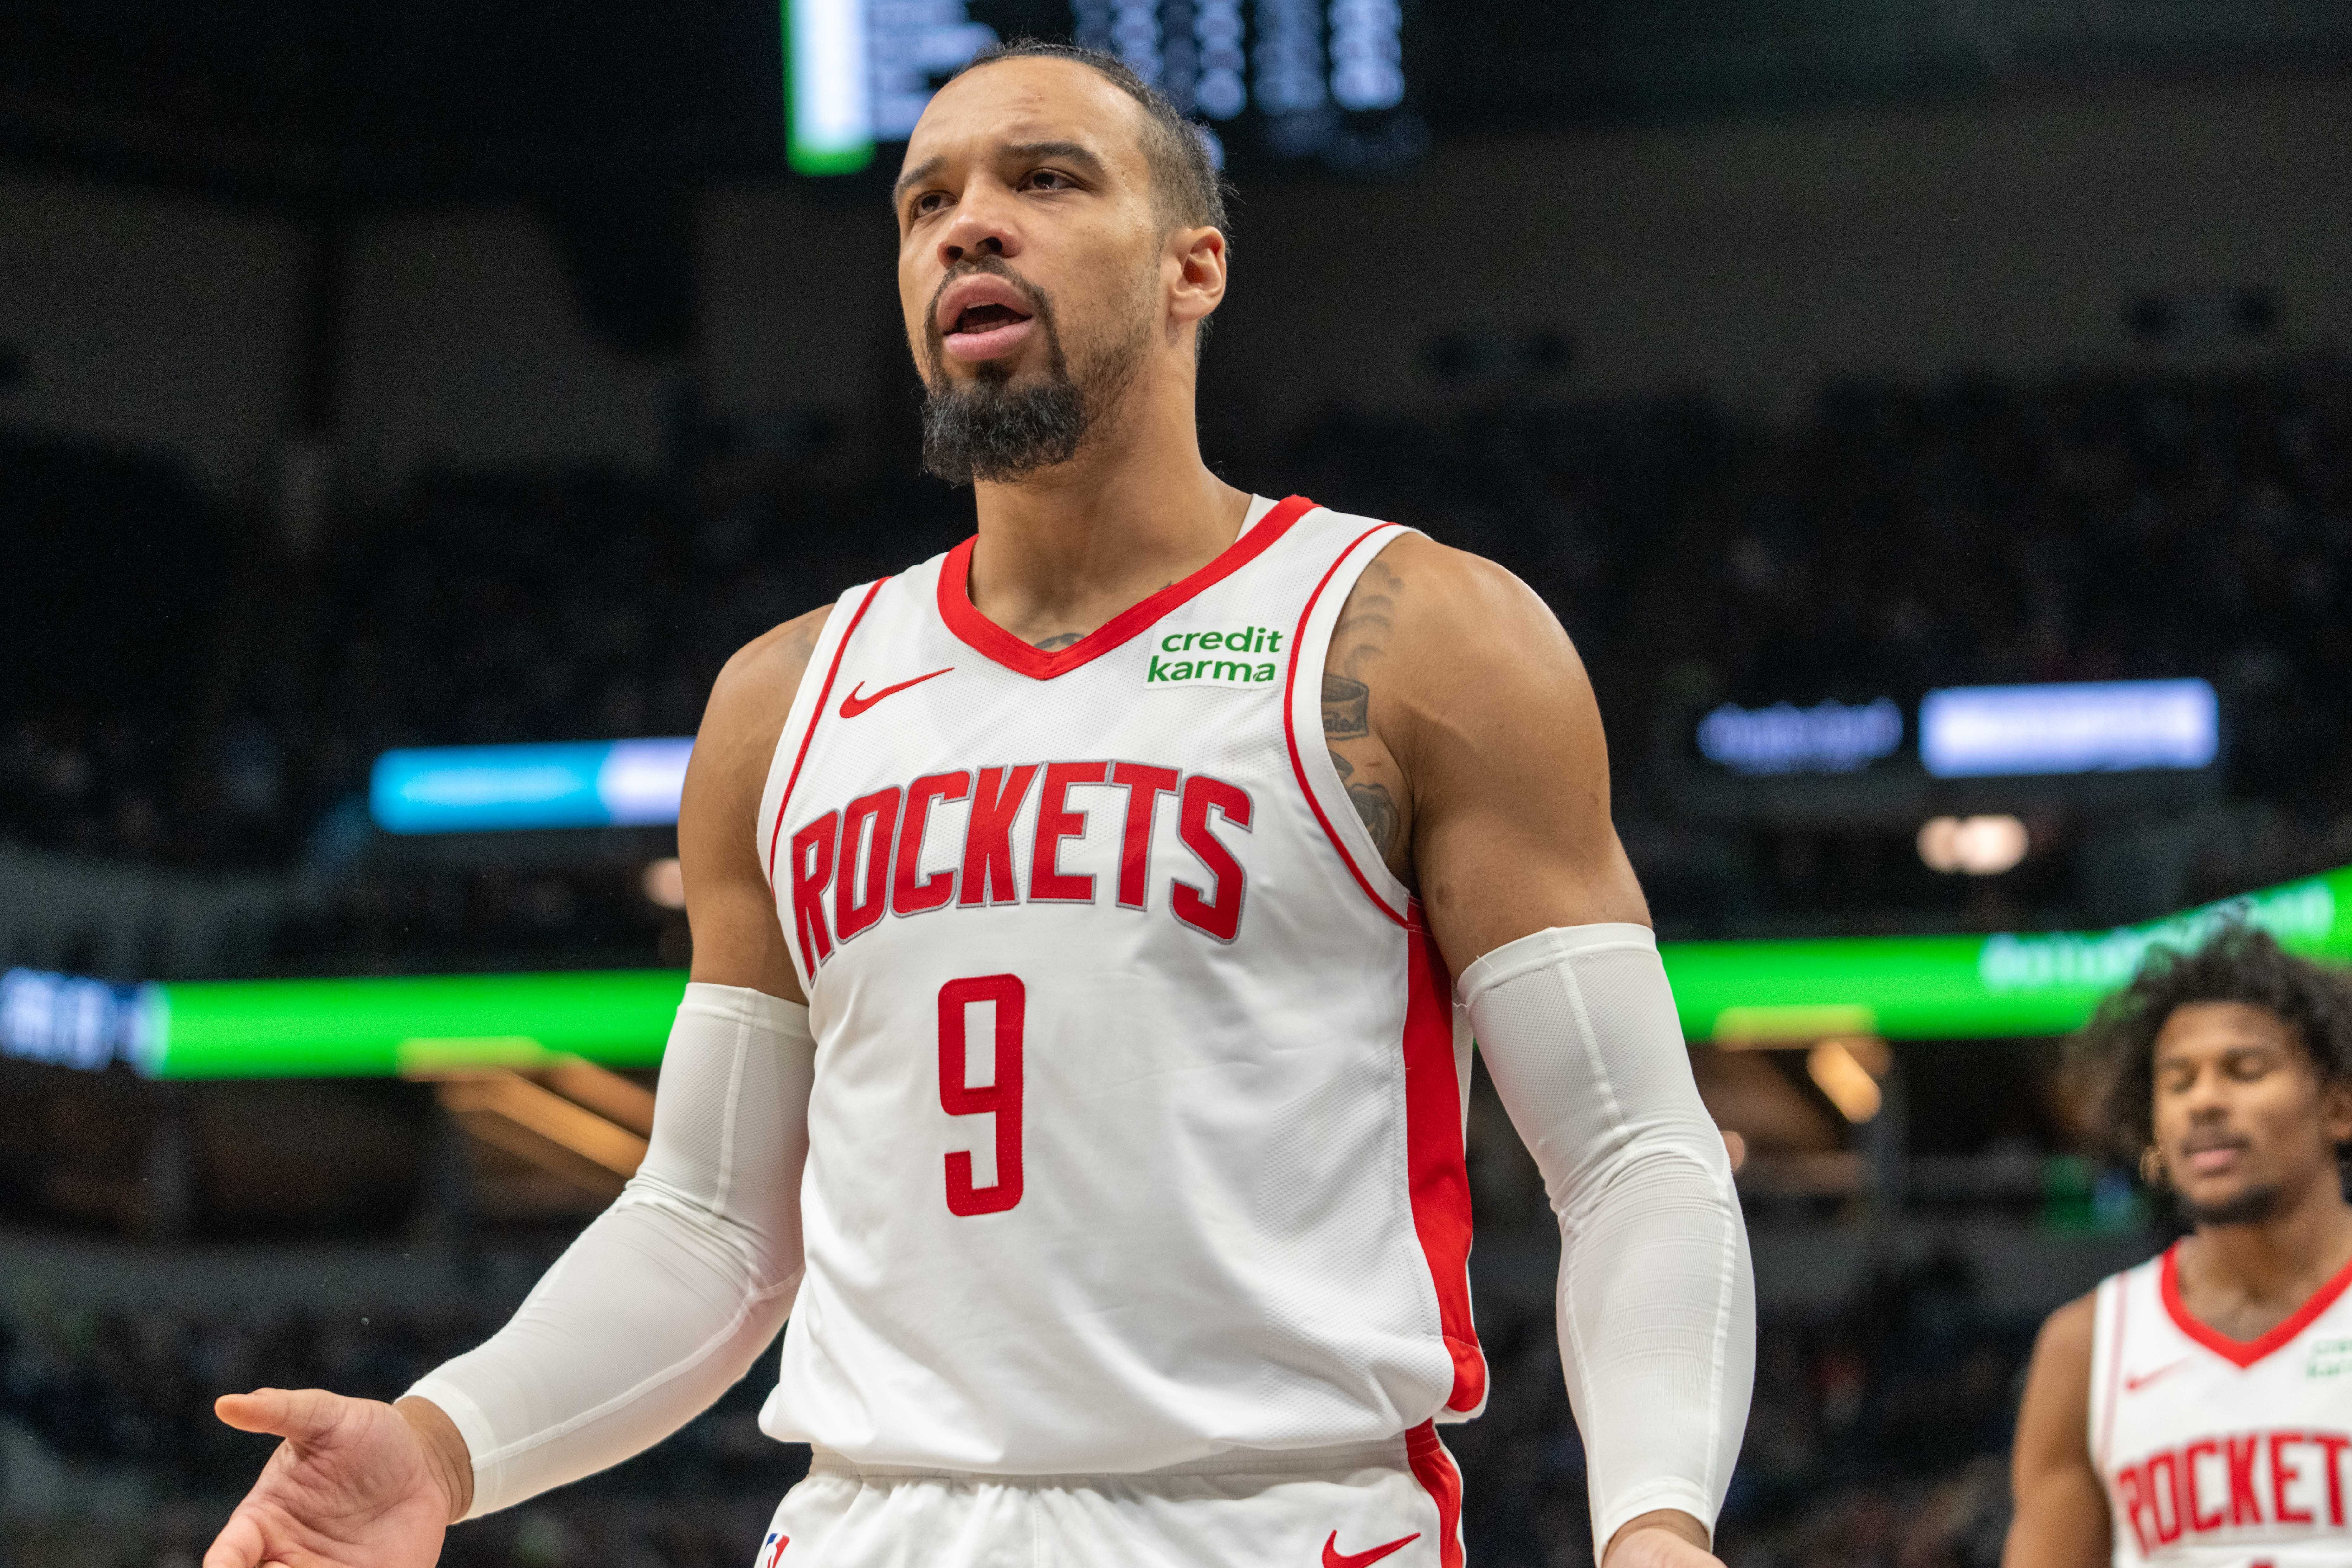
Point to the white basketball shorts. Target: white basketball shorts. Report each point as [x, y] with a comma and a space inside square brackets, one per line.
[1396, 1504]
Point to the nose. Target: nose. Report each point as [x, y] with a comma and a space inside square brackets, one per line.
[983, 225]
[2207, 1098]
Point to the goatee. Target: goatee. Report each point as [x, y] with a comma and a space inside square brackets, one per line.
[992, 430]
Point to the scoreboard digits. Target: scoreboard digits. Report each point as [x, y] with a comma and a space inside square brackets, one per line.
[1296, 78]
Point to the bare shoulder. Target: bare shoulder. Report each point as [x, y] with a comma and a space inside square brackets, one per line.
[1453, 690]
[1444, 579]
[754, 692]
[2065, 1336]
[736, 939]
[2052, 1420]
[1448, 625]
[1461, 657]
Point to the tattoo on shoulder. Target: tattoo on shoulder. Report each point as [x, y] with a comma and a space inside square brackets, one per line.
[1366, 620]
[1347, 716]
[1347, 708]
[1378, 810]
[1061, 640]
[1358, 642]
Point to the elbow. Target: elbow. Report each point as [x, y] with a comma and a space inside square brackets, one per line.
[764, 1248]
[1676, 1166]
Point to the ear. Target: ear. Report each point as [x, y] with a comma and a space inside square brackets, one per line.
[2335, 1108]
[1199, 255]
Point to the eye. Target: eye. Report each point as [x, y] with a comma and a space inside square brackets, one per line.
[928, 203]
[1047, 180]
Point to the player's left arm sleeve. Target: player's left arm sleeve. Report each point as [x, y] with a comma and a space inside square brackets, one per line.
[1657, 1297]
[668, 1298]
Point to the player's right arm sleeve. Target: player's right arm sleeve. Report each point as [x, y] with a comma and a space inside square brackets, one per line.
[1657, 1298]
[668, 1297]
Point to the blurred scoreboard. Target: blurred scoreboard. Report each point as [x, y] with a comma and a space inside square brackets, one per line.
[1289, 79]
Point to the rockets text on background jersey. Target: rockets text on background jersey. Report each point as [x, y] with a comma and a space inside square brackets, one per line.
[1136, 1134]
[2215, 1452]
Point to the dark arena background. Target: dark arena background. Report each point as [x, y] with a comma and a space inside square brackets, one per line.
[1933, 423]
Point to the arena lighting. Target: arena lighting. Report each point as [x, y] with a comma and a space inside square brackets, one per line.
[1828, 737]
[2085, 727]
[1973, 845]
[664, 883]
[1839, 1071]
[67, 1021]
[1732, 993]
[827, 95]
[581, 783]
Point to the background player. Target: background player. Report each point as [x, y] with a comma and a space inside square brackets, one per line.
[1060, 245]
[2197, 1409]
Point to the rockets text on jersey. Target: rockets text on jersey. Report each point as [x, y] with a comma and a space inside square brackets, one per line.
[1136, 1134]
[2216, 1451]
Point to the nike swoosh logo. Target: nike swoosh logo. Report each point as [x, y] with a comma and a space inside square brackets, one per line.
[1335, 1558]
[853, 704]
[2133, 1384]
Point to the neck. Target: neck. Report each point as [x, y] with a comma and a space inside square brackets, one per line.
[1064, 550]
[2281, 1259]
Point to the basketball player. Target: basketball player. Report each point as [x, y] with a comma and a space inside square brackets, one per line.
[1085, 922]
[2197, 1409]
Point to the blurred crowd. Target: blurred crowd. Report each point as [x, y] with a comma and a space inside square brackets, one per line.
[2092, 526]
[1874, 1442]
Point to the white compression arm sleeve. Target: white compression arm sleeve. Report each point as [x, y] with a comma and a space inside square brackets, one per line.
[1656, 1300]
[670, 1295]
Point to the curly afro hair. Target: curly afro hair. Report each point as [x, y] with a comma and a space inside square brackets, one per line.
[2238, 964]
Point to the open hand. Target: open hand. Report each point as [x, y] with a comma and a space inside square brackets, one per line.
[1666, 1539]
[355, 1485]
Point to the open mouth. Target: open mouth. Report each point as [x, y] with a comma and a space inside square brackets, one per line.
[982, 317]
[985, 318]
[985, 331]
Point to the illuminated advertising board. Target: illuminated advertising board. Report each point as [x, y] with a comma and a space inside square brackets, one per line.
[1728, 993]
[2082, 727]
[475, 789]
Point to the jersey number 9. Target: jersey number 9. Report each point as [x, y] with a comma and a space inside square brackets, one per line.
[1000, 1099]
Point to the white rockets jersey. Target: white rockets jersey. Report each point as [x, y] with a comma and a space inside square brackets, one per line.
[1136, 1128]
[2215, 1452]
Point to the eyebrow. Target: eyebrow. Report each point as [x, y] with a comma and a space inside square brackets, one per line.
[1027, 151]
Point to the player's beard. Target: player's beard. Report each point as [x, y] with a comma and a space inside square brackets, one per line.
[2251, 1206]
[995, 429]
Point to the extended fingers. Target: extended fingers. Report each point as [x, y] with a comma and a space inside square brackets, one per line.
[239, 1543]
[304, 1414]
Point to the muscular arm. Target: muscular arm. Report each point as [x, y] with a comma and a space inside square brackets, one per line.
[1465, 729]
[2061, 1511]
[1464, 726]
[660, 1304]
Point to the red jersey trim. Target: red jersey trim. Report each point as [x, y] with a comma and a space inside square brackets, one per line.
[1290, 730]
[992, 641]
[2243, 1353]
[1433, 1467]
[1439, 1181]
[823, 695]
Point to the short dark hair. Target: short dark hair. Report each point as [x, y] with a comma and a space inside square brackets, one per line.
[2238, 963]
[1185, 183]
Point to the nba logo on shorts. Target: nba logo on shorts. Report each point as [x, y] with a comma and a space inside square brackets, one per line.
[772, 1549]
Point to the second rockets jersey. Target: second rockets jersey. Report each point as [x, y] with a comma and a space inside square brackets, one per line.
[2215, 1452]
[1137, 1130]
